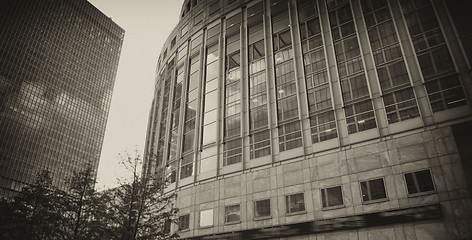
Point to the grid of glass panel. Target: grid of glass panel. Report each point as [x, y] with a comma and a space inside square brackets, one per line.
[322, 120]
[210, 94]
[188, 147]
[211, 87]
[397, 93]
[442, 83]
[151, 142]
[290, 136]
[170, 166]
[358, 106]
[232, 151]
[176, 106]
[56, 84]
[259, 136]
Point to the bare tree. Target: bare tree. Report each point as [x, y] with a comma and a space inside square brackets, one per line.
[139, 208]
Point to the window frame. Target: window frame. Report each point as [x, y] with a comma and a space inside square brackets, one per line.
[227, 215]
[416, 183]
[326, 200]
[256, 217]
[287, 202]
[187, 221]
[212, 218]
[369, 193]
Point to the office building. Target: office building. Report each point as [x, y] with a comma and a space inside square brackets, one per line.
[58, 62]
[316, 119]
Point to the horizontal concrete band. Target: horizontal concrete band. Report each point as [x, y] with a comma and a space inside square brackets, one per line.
[343, 223]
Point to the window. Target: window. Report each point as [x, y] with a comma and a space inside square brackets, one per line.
[184, 222]
[444, 89]
[214, 7]
[373, 190]
[232, 214]
[398, 95]
[172, 43]
[186, 168]
[167, 226]
[358, 110]
[184, 30]
[295, 203]
[164, 55]
[206, 218]
[198, 18]
[418, 182]
[290, 136]
[332, 196]
[262, 208]
[360, 116]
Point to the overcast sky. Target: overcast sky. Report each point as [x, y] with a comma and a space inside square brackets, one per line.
[147, 24]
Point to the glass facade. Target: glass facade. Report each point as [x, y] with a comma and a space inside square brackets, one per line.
[58, 61]
[290, 136]
[397, 93]
[259, 134]
[243, 85]
[440, 78]
[354, 86]
[296, 111]
[232, 152]
[322, 119]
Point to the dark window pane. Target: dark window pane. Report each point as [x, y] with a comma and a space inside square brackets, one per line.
[262, 208]
[332, 196]
[295, 203]
[373, 190]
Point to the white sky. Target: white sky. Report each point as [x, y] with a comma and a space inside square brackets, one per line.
[147, 24]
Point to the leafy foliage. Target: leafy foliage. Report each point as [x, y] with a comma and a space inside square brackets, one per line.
[35, 212]
[137, 209]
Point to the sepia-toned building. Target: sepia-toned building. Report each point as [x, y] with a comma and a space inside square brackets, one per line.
[316, 119]
[58, 62]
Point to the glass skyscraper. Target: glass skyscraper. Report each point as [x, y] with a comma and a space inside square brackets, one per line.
[320, 119]
[58, 62]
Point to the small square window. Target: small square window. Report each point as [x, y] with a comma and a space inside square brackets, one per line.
[331, 197]
[262, 208]
[232, 214]
[373, 190]
[420, 181]
[206, 218]
[184, 222]
[295, 203]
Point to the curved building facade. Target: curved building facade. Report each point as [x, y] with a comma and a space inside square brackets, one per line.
[329, 119]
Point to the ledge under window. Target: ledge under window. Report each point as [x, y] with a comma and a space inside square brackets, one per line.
[295, 213]
[262, 218]
[205, 227]
[422, 193]
[375, 201]
[333, 207]
[232, 223]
